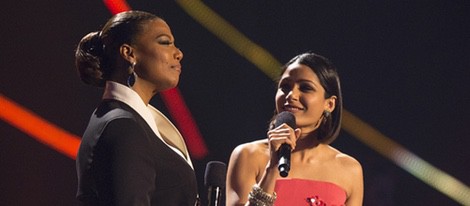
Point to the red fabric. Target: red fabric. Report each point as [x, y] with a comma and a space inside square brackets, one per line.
[293, 192]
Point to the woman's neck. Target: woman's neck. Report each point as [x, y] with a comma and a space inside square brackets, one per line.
[307, 142]
[308, 147]
[143, 93]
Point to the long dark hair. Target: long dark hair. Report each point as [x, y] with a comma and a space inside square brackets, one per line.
[325, 70]
[97, 52]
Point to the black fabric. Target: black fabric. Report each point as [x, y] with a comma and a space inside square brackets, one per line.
[122, 162]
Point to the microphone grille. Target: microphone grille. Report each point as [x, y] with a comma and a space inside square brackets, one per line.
[285, 117]
[215, 174]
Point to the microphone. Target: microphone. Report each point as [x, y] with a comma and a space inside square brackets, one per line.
[214, 179]
[285, 149]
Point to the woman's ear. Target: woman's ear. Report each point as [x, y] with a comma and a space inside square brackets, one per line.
[127, 52]
[330, 103]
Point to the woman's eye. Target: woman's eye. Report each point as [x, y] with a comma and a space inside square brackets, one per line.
[166, 42]
[284, 87]
[306, 88]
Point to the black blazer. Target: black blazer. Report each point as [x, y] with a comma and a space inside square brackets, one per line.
[122, 162]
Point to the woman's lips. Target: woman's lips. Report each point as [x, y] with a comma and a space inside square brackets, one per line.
[176, 67]
[292, 108]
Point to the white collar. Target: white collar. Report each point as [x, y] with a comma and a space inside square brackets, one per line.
[114, 90]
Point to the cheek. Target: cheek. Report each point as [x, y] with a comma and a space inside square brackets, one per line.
[157, 57]
[158, 63]
[315, 107]
[280, 100]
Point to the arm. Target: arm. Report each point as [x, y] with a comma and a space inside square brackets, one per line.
[256, 163]
[247, 166]
[357, 184]
[241, 175]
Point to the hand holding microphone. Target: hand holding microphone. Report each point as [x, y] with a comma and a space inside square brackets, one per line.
[284, 151]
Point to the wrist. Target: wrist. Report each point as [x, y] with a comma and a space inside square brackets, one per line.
[258, 197]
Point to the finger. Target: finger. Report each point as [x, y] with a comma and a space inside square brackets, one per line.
[276, 142]
[279, 133]
[282, 135]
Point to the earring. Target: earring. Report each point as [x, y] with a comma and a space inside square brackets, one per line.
[326, 113]
[132, 76]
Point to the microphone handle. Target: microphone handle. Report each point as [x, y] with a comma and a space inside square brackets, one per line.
[215, 196]
[284, 160]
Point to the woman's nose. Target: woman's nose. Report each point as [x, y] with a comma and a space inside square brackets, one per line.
[293, 94]
[179, 54]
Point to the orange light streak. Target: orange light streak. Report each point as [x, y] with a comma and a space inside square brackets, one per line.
[38, 128]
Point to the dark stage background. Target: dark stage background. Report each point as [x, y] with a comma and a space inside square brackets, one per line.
[405, 68]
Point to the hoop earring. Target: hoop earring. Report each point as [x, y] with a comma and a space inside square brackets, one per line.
[132, 76]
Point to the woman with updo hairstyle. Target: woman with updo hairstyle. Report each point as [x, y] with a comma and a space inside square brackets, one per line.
[130, 153]
[307, 119]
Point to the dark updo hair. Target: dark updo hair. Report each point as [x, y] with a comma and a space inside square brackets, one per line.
[97, 52]
[325, 70]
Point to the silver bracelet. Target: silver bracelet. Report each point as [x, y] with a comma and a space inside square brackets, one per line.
[257, 197]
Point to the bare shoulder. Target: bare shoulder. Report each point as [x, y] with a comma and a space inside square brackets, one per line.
[349, 173]
[251, 148]
[345, 160]
[249, 158]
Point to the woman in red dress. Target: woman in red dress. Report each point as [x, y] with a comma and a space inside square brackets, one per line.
[309, 88]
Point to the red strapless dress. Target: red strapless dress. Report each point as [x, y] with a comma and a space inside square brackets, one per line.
[296, 192]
